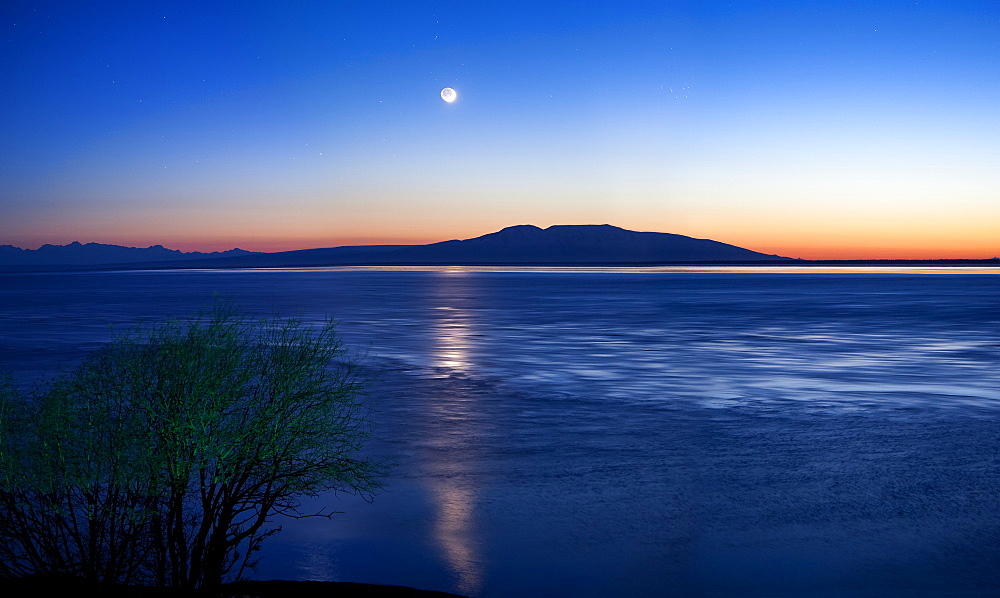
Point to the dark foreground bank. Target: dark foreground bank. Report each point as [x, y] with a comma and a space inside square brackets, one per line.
[79, 588]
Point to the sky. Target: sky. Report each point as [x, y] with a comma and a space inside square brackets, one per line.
[847, 129]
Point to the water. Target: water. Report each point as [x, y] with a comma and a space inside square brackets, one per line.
[623, 433]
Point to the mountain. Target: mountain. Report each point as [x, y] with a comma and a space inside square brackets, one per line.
[600, 243]
[523, 244]
[93, 254]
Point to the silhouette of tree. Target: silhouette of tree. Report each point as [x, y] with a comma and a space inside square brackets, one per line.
[163, 456]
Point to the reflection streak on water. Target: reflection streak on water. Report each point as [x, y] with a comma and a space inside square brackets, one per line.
[452, 340]
[454, 527]
[454, 532]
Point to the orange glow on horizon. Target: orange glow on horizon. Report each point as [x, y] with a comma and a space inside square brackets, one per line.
[795, 245]
[879, 253]
[862, 247]
[816, 252]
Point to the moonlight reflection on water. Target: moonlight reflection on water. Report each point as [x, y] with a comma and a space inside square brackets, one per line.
[451, 487]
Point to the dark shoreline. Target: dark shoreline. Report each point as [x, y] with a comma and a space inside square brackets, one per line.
[79, 588]
[194, 265]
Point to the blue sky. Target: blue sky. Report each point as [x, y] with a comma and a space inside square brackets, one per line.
[812, 129]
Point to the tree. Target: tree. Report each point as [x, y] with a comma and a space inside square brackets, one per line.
[163, 456]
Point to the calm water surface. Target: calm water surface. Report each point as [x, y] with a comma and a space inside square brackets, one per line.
[624, 433]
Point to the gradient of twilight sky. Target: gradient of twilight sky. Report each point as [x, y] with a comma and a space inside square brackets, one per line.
[839, 129]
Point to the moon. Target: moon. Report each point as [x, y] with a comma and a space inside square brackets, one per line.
[449, 95]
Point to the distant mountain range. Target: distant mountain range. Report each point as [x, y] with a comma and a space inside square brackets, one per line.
[523, 244]
[95, 254]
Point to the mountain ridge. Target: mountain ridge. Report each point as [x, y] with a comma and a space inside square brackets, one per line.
[94, 254]
[518, 244]
[583, 243]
